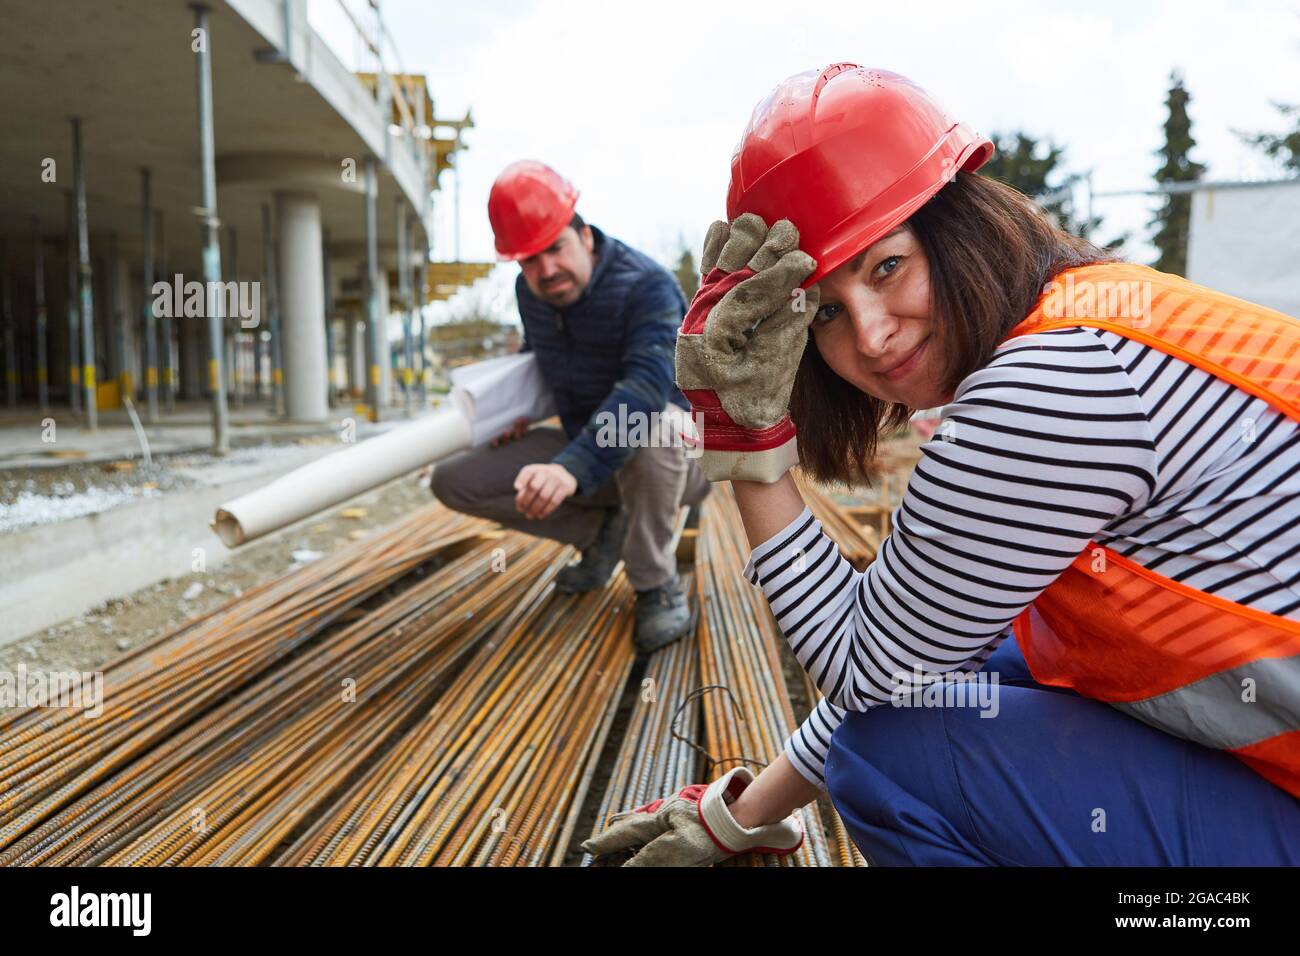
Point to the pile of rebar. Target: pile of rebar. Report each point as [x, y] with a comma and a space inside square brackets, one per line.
[858, 542]
[496, 772]
[658, 755]
[203, 723]
[748, 720]
[421, 697]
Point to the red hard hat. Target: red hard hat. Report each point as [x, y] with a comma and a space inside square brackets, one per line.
[529, 206]
[846, 154]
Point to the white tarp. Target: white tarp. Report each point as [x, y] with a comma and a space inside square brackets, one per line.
[1245, 241]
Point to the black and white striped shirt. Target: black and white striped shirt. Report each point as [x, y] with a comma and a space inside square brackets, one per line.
[1063, 438]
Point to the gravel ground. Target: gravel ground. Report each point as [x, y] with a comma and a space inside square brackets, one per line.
[33, 496]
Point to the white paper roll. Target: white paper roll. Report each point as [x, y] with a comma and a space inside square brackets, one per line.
[338, 477]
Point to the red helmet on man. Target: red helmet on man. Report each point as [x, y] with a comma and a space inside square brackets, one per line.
[529, 206]
[846, 154]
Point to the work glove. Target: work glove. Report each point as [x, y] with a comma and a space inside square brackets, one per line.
[693, 827]
[740, 344]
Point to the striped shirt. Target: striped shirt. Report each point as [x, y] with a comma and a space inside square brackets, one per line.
[1063, 438]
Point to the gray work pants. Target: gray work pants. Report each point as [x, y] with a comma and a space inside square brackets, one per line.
[651, 486]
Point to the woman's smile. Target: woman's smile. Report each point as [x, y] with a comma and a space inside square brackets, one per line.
[909, 363]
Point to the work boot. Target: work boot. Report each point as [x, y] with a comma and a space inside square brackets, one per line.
[598, 559]
[663, 615]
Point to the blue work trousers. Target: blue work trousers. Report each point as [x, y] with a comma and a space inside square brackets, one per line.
[1053, 779]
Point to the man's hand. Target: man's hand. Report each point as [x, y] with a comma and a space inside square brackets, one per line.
[517, 430]
[541, 489]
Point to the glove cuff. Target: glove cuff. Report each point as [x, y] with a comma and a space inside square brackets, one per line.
[729, 836]
[765, 466]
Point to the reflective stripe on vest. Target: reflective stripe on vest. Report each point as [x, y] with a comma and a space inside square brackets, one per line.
[1189, 663]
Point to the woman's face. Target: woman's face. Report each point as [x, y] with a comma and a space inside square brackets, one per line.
[873, 326]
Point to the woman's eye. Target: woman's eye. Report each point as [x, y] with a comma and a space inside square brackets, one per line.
[827, 312]
[889, 265]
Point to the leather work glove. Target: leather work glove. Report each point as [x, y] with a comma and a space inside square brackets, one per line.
[693, 827]
[740, 344]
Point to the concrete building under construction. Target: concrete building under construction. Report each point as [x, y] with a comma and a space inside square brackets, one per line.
[202, 203]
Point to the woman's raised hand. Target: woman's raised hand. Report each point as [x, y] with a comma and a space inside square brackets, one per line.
[740, 344]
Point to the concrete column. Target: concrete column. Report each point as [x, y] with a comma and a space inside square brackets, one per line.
[302, 307]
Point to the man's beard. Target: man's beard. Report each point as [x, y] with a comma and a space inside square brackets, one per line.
[567, 291]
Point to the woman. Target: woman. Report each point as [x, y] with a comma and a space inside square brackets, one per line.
[1113, 496]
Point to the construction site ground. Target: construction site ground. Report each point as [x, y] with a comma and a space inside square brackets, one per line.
[95, 638]
[615, 766]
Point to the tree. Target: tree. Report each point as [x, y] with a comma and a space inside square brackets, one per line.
[1173, 220]
[688, 274]
[1036, 169]
[1282, 147]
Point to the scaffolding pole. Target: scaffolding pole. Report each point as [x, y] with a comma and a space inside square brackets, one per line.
[421, 280]
[11, 355]
[74, 323]
[331, 346]
[85, 285]
[169, 376]
[234, 381]
[150, 322]
[374, 340]
[211, 248]
[404, 289]
[42, 320]
[273, 310]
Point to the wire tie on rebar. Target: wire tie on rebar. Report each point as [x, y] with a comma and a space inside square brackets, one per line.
[712, 760]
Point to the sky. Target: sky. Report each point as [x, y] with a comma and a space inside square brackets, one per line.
[641, 105]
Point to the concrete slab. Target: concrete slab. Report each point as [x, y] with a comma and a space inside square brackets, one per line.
[51, 572]
[24, 435]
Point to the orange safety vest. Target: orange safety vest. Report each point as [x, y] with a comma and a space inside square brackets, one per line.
[1189, 663]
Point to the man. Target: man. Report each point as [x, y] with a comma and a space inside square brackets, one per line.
[602, 320]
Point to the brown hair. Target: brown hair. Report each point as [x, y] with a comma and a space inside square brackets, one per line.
[991, 250]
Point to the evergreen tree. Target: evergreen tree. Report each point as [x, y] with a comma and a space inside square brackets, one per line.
[1283, 147]
[1021, 161]
[1173, 220]
[688, 274]
[1036, 169]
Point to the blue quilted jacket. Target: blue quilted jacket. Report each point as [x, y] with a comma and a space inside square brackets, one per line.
[612, 347]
